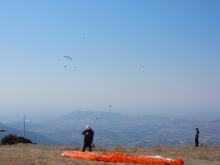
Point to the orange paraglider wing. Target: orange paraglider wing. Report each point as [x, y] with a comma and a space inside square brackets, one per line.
[119, 157]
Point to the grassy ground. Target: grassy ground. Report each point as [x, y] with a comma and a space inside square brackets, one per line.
[32, 154]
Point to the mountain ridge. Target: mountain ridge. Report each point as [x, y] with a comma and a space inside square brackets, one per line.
[115, 128]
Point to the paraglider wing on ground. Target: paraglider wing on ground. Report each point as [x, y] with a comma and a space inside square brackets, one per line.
[119, 157]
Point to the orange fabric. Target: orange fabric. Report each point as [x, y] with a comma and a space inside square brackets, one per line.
[118, 157]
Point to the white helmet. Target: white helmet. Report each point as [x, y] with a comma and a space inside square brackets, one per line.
[88, 127]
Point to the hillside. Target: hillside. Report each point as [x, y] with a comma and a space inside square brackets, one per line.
[35, 137]
[33, 154]
[115, 128]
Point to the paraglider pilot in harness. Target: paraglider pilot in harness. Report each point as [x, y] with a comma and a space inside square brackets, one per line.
[88, 138]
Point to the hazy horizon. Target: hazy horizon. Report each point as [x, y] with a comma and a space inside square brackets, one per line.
[47, 117]
[177, 42]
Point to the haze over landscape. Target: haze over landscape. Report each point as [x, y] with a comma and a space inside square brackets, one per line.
[113, 129]
[177, 42]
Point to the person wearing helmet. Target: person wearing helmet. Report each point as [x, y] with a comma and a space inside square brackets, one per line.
[88, 138]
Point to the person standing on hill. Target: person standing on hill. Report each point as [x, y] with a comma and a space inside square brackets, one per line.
[88, 138]
[197, 137]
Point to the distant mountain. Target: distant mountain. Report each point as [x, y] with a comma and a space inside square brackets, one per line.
[114, 128]
[34, 137]
[73, 143]
[1, 123]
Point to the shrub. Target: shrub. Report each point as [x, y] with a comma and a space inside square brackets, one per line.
[9, 139]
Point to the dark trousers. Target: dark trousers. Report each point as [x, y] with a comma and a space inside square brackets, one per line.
[197, 141]
[87, 145]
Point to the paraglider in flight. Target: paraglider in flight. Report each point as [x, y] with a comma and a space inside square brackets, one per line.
[2, 130]
[142, 68]
[66, 57]
[96, 119]
[83, 33]
[110, 106]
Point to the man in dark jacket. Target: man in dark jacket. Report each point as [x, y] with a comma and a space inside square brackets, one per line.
[197, 137]
[88, 138]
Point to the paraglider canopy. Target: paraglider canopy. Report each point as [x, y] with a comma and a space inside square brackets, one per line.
[67, 57]
[110, 106]
[142, 68]
[96, 119]
[119, 157]
[2, 130]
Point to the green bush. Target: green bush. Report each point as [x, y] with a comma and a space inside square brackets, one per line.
[9, 139]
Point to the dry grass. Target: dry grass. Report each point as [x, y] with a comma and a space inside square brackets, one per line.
[31, 154]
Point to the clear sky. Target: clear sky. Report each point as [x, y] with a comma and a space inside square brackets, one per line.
[178, 42]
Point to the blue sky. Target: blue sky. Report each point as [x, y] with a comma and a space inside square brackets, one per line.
[178, 42]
